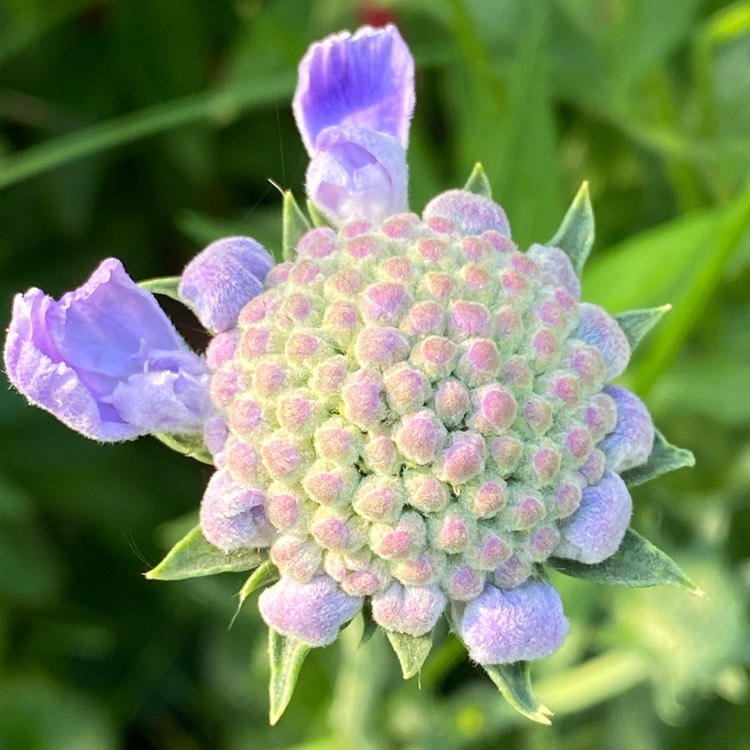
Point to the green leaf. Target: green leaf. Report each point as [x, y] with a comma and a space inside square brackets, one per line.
[514, 682]
[635, 324]
[294, 226]
[636, 564]
[478, 183]
[166, 285]
[664, 458]
[411, 651]
[286, 656]
[193, 556]
[576, 233]
[263, 575]
[189, 445]
[316, 216]
[369, 626]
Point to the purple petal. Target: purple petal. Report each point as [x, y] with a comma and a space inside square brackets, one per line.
[467, 212]
[599, 329]
[633, 438]
[310, 612]
[357, 174]
[365, 80]
[232, 514]
[501, 627]
[556, 268]
[221, 279]
[595, 530]
[103, 348]
[408, 609]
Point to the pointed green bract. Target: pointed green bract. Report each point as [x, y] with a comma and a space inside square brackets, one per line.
[193, 556]
[286, 656]
[636, 564]
[664, 457]
[369, 626]
[191, 446]
[635, 324]
[316, 217]
[294, 226]
[166, 285]
[411, 651]
[478, 182]
[260, 577]
[576, 233]
[514, 682]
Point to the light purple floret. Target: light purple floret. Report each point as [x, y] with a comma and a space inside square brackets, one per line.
[469, 213]
[598, 328]
[633, 438]
[501, 627]
[554, 263]
[408, 609]
[596, 529]
[223, 278]
[310, 612]
[356, 173]
[366, 80]
[232, 515]
[105, 360]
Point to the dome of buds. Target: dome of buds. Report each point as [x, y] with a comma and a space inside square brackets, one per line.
[421, 410]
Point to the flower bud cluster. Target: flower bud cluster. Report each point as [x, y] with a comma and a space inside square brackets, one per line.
[416, 402]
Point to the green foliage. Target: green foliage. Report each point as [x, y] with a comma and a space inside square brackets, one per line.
[145, 130]
[411, 651]
[286, 656]
[514, 682]
[576, 233]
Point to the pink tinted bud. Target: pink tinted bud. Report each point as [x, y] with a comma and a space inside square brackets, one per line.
[244, 463]
[468, 319]
[356, 228]
[463, 459]
[593, 468]
[538, 414]
[515, 287]
[486, 497]
[317, 243]
[471, 213]
[544, 463]
[384, 302]
[491, 551]
[479, 361]
[340, 322]
[406, 389]
[516, 374]
[526, 511]
[587, 363]
[552, 315]
[225, 384]
[544, 349]
[304, 348]
[424, 318]
[304, 272]
[431, 248]
[508, 328]
[381, 455]
[298, 412]
[506, 452]
[599, 329]
[556, 268]
[462, 583]
[513, 572]
[404, 539]
[246, 415]
[380, 499]
[435, 355]
[399, 226]
[345, 283]
[362, 247]
[332, 531]
[269, 378]
[338, 442]
[330, 484]
[362, 583]
[329, 375]
[420, 436]
[542, 543]
[363, 404]
[567, 497]
[600, 416]
[424, 492]
[439, 285]
[452, 532]
[221, 349]
[296, 309]
[285, 509]
[495, 409]
[284, 457]
[408, 609]
[380, 347]
[215, 433]
[278, 274]
[415, 571]
[476, 279]
[396, 269]
[296, 558]
[452, 402]
[578, 445]
[475, 248]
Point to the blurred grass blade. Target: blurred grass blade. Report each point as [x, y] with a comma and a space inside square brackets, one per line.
[663, 459]
[514, 682]
[576, 233]
[286, 656]
[221, 105]
[635, 324]
[410, 650]
[636, 564]
[193, 556]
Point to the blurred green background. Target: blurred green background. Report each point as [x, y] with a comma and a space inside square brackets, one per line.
[143, 129]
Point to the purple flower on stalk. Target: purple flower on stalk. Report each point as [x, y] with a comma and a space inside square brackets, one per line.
[105, 360]
[353, 105]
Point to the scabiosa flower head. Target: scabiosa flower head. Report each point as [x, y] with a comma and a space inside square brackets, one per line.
[410, 412]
